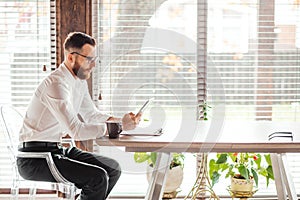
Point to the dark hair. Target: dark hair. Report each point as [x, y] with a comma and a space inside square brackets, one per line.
[77, 39]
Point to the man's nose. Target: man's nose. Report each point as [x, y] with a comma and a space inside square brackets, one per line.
[93, 64]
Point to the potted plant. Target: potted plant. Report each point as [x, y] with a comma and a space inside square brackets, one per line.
[175, 174]
[246, 167]
[203, 110]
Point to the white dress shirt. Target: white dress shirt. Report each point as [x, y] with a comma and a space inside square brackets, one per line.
[54, 108]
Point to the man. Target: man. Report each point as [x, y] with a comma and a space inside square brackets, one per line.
[54, 110]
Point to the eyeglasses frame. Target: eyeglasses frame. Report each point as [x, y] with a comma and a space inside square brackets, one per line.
[89, 58]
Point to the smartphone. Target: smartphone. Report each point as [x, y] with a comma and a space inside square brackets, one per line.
[145, 105]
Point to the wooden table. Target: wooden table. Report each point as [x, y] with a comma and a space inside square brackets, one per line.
[216, 136]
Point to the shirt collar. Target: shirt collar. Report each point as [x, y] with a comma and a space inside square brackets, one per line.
[69, 76]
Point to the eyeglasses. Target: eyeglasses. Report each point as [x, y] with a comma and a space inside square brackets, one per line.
[88, 58]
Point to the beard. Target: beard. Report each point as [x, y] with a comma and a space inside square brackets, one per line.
[81, 73]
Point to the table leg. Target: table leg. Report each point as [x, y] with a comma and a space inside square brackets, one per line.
[283, 180]
[156, 185]
[281, 193]
[283, 163]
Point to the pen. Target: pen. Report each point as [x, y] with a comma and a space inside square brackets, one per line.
[158, 131]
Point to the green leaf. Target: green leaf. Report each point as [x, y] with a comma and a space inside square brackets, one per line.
[212, 167]
[230, 172]
[268, 159]
[153, 157]
[232, 156]
[270, 172]
[140, 157]
[258, 161]
[243, 171]
[263, 172]
[224, 166]
[255, 176]
[215, 178]
[222, 158]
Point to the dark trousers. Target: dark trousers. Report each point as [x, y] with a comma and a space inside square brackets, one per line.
[96, 175]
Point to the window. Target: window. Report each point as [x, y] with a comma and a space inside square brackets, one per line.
[253, 46]
[145, 53]
[24, 51]
[242, 56]
[253, 68]
[147, 49]
[251, 57]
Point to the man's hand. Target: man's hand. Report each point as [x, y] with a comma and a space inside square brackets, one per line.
[130, 121]
[114, 119]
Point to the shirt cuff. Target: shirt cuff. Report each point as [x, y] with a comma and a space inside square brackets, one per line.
[101, 130]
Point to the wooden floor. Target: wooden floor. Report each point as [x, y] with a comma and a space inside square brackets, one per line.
[53, 197]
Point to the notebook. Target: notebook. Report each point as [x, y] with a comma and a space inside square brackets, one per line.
[143, 131]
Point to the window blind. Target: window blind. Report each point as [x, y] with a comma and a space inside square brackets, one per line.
[147, 49]
[254, 52]
[25, 55]
[246, 53]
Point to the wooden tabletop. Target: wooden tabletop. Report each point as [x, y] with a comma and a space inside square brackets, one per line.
[217, 136]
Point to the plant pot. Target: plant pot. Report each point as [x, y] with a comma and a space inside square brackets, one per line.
[241, 185]
[174, 178]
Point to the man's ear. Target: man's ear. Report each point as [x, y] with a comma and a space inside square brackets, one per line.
[70, 58]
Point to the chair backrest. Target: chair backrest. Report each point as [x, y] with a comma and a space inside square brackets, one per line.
[12, 121]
